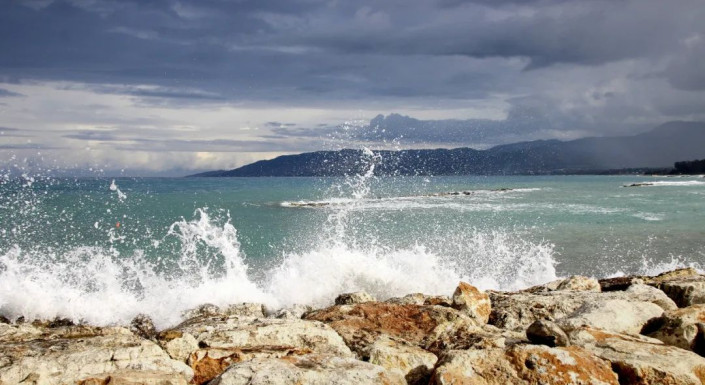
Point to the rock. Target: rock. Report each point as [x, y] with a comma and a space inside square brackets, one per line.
[685, 292]
[179, 347]
[614, 315]
[422, 299]
[76, 354]
[309, 369]
[682, 328]
[516, 311]
[674, 275]
[246, 309]
[143, 326]
[524, 364]
[642, 360]
[223, 340]
[465, 334]
[579, 283]
[361, 324]
[619, 283]
[133, 377]
[205, 310]
[294, 312]
[411, 362]
[472, 302]
[353, 298]
[543, 332]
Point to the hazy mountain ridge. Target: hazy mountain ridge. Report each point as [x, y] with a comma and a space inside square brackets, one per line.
[658, 148]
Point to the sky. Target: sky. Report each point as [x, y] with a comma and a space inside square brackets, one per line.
[139, 87]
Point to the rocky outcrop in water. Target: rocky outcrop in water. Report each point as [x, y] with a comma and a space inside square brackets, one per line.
[626, 330]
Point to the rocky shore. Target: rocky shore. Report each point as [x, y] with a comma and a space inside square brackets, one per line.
[627, 330]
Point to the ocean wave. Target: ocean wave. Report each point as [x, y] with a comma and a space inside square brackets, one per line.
[667, 183]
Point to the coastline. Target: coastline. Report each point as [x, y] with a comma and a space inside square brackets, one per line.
[579, 330]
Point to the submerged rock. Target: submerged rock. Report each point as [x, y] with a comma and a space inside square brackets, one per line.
[313, 369]
[524, 364]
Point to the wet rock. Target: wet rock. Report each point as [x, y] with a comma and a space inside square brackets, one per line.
[543, 332]
[472, 302]
[411, 362]
[310, 369]
[524, 364]
[361, 324]
[353, 298]
[682, 328]
[76, 353]
[143, 326]
[640, 359]
[579, 283]
[614, 315]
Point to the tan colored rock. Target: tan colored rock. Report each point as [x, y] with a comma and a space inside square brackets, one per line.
[361, 324]
[75, 353]
[682, 328]
[133, 377]
[309, 369]
[353, 298]
[411, 362]
[524, 364]
[642, 360]
[685, 292]
[646, 293]
[293, 312]
[472, 302]
[422, 299]
[544, 332]
[465, 334]
[245, 309]
[179, 347]
[614, 315]
[579, 283]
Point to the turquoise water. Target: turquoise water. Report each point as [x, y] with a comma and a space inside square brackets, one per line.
[103, 250]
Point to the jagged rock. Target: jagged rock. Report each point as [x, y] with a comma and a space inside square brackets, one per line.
[685, 292]
[543, 332]
[143, 326]
[682, 328]
[472, 302]
[422, 299]
[353, 298]
[516, 311]
[77, 353]
[642, 360]
[524, 364]
[466, 334]
[546, 287]
[411, 362]
[205, 310]
[223, 340]
[308, 369]
[178, 345]
[675, 275]
[361, 324]
[579, 283]
[619, 283]
[614, 315]
[294, 312]
[246, 309]
[132, 377]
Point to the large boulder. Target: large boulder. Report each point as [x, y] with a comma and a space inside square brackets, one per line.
[412, 362]
[544, 332]
[683, 328]
[313, 369]
[80, 354]
[361, 324]
[463, 334]
[614, 315]
[524, 364]
[472, 302]
[642, 360]
[685, 292]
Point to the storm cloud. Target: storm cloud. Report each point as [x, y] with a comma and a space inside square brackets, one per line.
[271, 77]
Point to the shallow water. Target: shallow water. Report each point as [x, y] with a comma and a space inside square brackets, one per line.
[104, 250]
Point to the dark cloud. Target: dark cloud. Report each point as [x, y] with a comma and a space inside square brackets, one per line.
[6, 93]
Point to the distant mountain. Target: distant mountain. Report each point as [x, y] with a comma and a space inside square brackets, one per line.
[659, 148]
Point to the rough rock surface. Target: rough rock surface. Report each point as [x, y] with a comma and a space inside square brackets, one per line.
[543, 332]
[292, 312]
[642, 360]
[683, 328]
[308, 369]
[352, 298]
[579, 283]
[361, 324]
[412, 362]
[615, 315]
[472, 302]
[463, 334]
[77, 353]
[685, 292]
[422, 299]
[524, 364]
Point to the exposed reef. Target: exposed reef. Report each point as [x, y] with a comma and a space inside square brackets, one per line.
[579, 330]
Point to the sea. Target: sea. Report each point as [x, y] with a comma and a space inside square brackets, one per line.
[103, 250]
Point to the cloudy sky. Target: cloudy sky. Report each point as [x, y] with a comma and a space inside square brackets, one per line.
[167, 87]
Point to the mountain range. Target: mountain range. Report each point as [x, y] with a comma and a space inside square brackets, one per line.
[658, 148]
